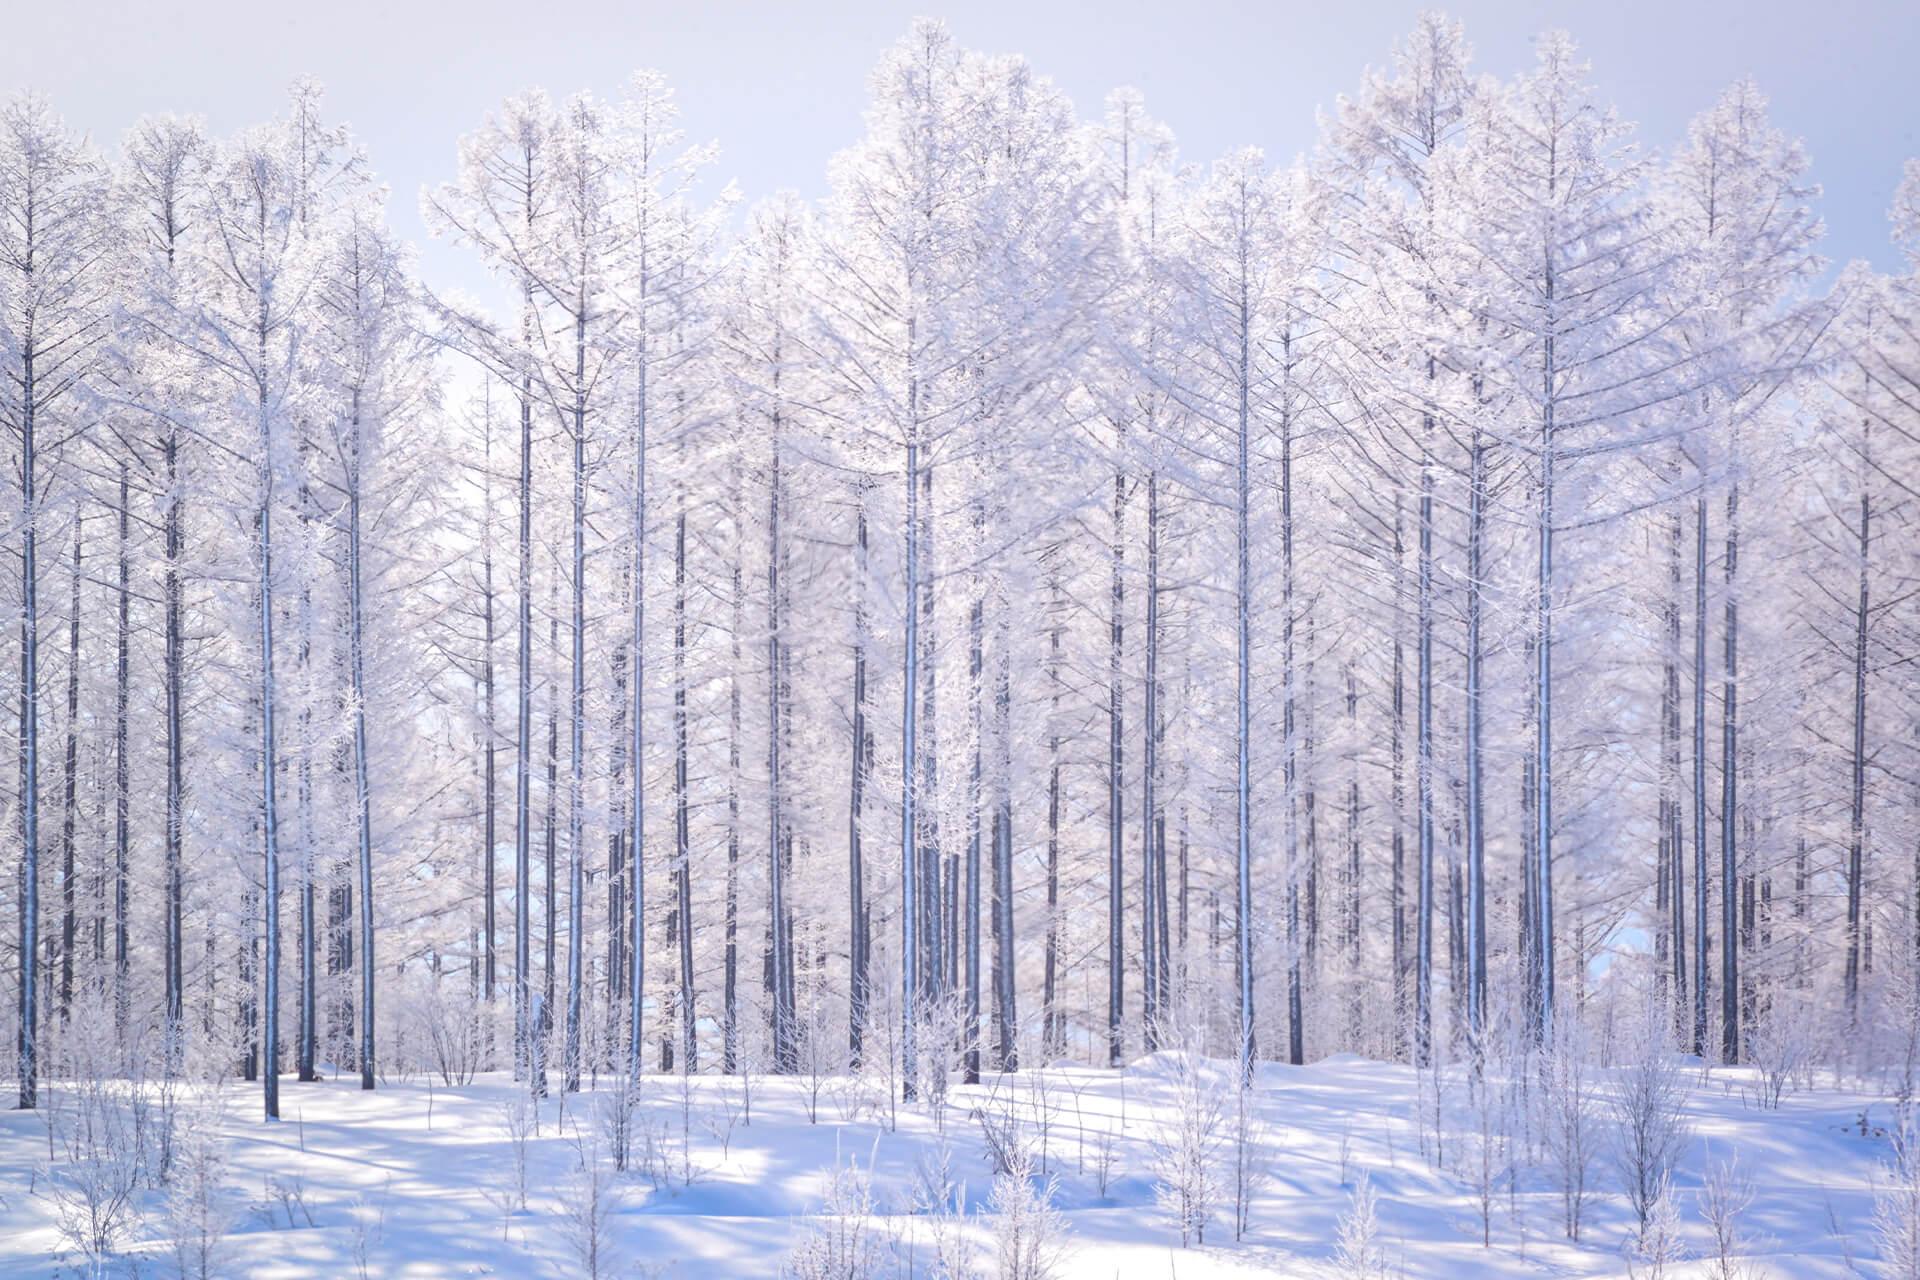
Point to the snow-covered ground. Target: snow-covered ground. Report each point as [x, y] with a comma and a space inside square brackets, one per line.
[413, 1180]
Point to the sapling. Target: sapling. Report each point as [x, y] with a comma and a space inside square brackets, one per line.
[1896, 1208]
[288, 1194]
[1250, 1159]
[369, 1225]
[839, 1243]
[586, 1211]
[1105, 1157]
[613, 1112]
[197, 1206]
[1724, 1196]
[1000, 1129]
[1656, 1247]
[1186, 1150]
[517, 1118]
[1569, 1121]
[1040, 1092]
[725, 1115]
[940, 1202]
[1649, 1125]
[1776, 1046]
[1029, 1233]
[1358, 1253]
[686, 1125]
[1487, 1159]
[97, 1128]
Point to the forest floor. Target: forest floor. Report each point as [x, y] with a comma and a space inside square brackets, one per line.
[418, 1180]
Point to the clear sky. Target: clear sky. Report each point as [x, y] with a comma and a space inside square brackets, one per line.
[781, 86]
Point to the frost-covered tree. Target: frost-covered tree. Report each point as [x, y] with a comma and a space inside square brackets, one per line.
[53, 246]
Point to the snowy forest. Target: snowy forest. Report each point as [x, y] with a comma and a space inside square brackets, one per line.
[1061, 710]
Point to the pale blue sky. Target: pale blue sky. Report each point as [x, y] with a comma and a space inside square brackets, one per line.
[782, 86]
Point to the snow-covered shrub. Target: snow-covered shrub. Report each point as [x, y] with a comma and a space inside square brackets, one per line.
[936, 1185]
[1186, 1151]
[369, 1225]
[658, 1154]
[1001, 1131]
[198, 1209]
[1029, 1234]
[1569, 1120]
[97, 1133]
[944, 1034]
[840, 1242]
[1723, 1198]
[1649, 1127]
[1041, 1107]
[726, 1113]
[1486, 1153]
[939, 1205]
[1778, 1046]
[1357, 1251]
[1105, 1156]
[857, 1092]
[1252, 1155]
[1657, 1247]
[285, 1196]
[819, 1044]
[1896, 1208]
[592, 1196]
[456, 1031]
[517, 1118]
[613, 1112]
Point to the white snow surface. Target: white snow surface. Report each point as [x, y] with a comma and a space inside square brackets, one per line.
[410, 1176]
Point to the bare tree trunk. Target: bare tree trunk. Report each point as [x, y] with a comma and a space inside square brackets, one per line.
[1729, 797]
[1673, 825]
[523, 697]
[976, 719]
[1700, 776]
[1423, 757]
[489, 800]
[269, 800]
[1053, 1020]
[29, 795]
[1543, 725]
[175, 664]
[1005, 1015]
[1153, 880]
[857, 939]
[1296, 1039]
[682, 842]
[122, 993]
[1476, 911]
[637, 746]
[577, 709]
[303, 804]
[786, 1056]
[1243, 692]
[617, 828]
[1352, 888]
[1857, 798]
[1397, 738]
[70, 783]
[730, 925]
[933, 899]
[909, 747]
[362, 770]
[550, 938]
[1116, 776]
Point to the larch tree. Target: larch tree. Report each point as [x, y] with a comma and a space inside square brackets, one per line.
[53, 245]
